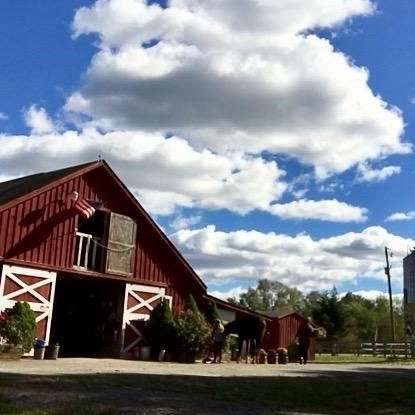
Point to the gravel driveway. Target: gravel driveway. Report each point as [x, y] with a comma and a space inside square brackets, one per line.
[111, 386]
[90, 366]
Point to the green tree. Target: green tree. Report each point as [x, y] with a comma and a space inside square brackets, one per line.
[212, 312]
[311, 302]
[383, 323]
[191, 304]
[272, 295]
[360, 318]
[329, 313]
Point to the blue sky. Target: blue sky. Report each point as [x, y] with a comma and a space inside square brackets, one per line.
[53, 53]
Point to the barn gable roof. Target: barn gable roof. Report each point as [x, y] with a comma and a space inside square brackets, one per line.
[14, 191]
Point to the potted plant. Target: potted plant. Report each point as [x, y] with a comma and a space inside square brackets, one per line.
[17, 329]
[161, 331]
[193, 333]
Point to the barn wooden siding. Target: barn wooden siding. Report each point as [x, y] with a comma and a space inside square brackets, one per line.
[271, 335]
[41, 230]
[287, 331]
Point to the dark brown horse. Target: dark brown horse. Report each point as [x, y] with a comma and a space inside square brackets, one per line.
[250, 329]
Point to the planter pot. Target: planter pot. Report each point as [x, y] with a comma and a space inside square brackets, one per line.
[145, 353]
[186, 356]
[282, 356]
[272, 357]
[234, 354]
[39, 353]
[171, 356]
[10, 352]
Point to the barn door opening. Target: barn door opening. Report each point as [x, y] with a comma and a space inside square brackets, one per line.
[87, 316]
[138, 303]
[36, 287]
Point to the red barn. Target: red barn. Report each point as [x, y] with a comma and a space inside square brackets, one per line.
[90, 280]
[285, 326]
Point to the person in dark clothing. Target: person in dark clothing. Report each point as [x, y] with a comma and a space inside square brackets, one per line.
[304, 335]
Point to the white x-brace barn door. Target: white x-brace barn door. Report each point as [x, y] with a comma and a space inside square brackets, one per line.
[138, 303]
[36, 287]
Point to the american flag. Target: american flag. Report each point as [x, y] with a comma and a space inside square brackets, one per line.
[85, 208]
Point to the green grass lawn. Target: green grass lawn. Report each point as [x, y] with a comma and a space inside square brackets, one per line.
[338, 393]
[363, 358]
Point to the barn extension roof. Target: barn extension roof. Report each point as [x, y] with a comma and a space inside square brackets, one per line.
[236, 307]
[282, 313]
[16, 188]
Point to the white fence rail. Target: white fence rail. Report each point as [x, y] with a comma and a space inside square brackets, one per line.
[386, 349]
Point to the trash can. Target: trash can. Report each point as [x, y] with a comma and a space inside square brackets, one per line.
[52, 352]
[39, 349]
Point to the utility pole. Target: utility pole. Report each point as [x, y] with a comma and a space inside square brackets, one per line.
[388, 274]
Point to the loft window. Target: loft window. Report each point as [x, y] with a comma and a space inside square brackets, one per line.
[105, 243]
[90, 240]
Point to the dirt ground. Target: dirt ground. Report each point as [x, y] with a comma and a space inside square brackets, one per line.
[83, 366]
[109, 386]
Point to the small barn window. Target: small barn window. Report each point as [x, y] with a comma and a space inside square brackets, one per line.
[121, 244]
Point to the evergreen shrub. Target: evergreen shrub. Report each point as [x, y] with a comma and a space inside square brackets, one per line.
[193, 331]
[161, 329]
[17, 326]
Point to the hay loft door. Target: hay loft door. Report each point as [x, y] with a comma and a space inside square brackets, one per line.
[36, 287]
[138, 303]
[121, 244]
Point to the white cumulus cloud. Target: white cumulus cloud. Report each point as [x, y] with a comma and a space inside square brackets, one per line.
[327, 210]
[368, 174]
[163, 173]
[181, 222]
[299, 261]
[168, 173]
[244, 76]
[401, 216]
[38, 120]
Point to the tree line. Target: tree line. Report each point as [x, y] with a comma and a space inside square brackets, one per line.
[347, 318]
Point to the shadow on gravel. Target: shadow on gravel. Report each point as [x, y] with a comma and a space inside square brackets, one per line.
[372, 391]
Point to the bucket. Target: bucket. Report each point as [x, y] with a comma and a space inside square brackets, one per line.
[162, 355]
[52, 352]
[39, 353]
